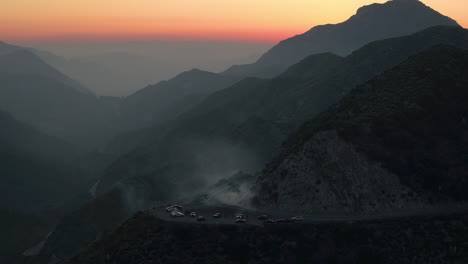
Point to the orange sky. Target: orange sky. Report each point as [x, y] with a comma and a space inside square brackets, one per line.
[220, 20]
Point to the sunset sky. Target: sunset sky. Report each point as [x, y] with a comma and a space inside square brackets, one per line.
[201, 20]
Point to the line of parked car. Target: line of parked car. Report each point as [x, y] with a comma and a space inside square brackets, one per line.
[178, 211]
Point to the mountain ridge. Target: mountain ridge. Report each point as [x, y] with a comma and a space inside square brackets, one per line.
[370, 23]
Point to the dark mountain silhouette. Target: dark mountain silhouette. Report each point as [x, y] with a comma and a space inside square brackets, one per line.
[7, 48]
[370, 23]
[21, 61]
[20, 232]
[397, 141]
[36, 93]
[166, 100]
[37, 172]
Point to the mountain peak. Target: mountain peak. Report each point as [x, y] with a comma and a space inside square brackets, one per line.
[393, 6]
[193, 73]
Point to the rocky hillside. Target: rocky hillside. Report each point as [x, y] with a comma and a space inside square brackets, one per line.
[397, 141]
[370, 23]
[144, 239]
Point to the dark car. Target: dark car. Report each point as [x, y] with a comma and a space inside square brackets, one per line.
[269, 221]
[240, 221]
[240, 216]
[284, 221]
[201, 218]
[263, 217]
[217, 215]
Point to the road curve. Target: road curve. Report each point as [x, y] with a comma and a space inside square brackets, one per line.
[228, 214]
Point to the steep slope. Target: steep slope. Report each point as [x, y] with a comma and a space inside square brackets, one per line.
[144, 239]
[41, 178]
[166, 100]
[37, 94]
[22, 61]
[19, 232]
[370, 23]
[397, 141]
[37, 171]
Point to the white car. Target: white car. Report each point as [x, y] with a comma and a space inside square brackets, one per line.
[217, 215]
[177, 214]
[172, 208]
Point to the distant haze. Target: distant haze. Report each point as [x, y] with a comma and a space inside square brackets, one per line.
[121, 68]
[201, 20]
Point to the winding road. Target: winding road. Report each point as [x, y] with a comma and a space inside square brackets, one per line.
[229, 213]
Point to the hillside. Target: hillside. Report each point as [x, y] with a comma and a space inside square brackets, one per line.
[37, 94]
[162, 102]
[19, 232]
[41, 178]
[398, 141]
[21, 61]
[370, 23]
[145, 239]
[38, 172]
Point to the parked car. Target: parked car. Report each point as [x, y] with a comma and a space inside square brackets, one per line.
[201, 218]
[240, 216]
[177, 214]
[284, 221]
[263, 217]
[193, 214]
[269, 221]
[217, 215]
[240, 221]
[172, 208]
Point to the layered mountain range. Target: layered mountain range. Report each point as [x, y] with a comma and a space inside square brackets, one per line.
[362, 117]
[395, 142]
[230, 121]
[217, 138]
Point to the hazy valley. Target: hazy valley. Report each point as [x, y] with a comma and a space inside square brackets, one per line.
[345, 144]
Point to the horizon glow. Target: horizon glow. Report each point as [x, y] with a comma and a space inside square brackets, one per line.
[262, 21]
